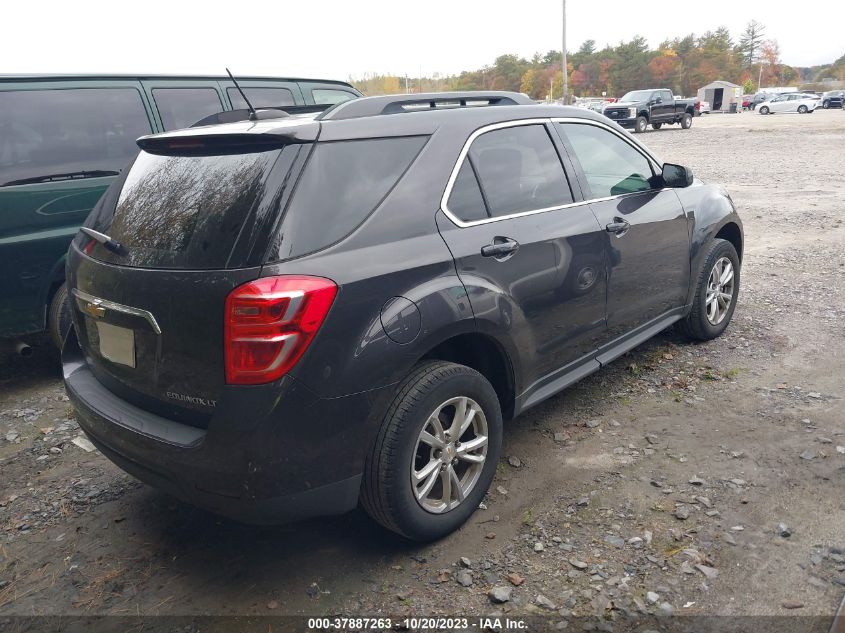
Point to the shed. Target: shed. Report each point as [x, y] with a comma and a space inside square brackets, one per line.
[723, 96]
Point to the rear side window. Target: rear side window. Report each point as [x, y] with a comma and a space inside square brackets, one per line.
[185, 211]
[343, 182]
[47, 133]
[323, 96]
[261, 97]
[182, 107]
[519, 170]
[612, 166]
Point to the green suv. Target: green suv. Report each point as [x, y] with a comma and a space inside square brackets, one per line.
[64, 138]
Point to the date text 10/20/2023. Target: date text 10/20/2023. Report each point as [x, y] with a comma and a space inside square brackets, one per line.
[417, 624]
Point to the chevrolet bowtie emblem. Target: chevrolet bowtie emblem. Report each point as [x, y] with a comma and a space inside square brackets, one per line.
[95, 309]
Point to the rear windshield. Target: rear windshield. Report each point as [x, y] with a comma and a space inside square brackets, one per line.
[185, 211]
[343, 183]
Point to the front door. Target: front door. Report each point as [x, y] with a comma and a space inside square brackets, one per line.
[529, 254]
[648, 246]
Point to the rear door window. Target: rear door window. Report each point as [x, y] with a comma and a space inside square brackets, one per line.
[186, 211]
[261, 97]
[182, 107]
[343, 183]
[519, 170]
[60, 134]
[465, 200]
[327, 96]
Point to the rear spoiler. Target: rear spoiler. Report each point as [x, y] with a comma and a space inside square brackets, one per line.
[232, 138]
[232, 116]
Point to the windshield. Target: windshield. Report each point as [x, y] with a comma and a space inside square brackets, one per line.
[637, 95]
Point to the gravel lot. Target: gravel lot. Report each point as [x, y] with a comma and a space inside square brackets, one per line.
[684, 479]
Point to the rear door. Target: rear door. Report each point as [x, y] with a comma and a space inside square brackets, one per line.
[61, 145]
[648, 237]
[529, 254]
[150, 319]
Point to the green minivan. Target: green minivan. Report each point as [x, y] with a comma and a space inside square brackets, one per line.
[63, 138]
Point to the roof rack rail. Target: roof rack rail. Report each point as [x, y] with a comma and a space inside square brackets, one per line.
[232, 116]
[395, 104]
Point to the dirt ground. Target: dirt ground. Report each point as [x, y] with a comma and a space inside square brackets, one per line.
[655, 487]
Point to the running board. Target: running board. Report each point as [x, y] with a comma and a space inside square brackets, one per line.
[573, 372]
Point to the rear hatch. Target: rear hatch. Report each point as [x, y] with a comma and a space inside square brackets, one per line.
[192, 218]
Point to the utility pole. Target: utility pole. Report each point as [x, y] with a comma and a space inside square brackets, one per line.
[760, 78]
[565, 92]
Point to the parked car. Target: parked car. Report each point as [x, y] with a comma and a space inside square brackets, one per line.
[760, 97]
[792, 102]
[255, 347]
[639, 108]
[833, 99]
[63, 139]
[702, 107]
[746, 101]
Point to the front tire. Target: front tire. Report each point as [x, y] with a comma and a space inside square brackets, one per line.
[640, 125]
[764, 110]
[716, 293]
[826, 105]
[686, 121]
[436, 452]
[58, 316]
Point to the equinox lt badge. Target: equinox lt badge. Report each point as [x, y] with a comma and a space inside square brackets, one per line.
[205, 402]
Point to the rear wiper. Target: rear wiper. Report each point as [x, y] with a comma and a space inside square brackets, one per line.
[71, 175]
[108, 243]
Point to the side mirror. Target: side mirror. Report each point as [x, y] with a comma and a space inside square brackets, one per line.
[676, 176]
[658, 100]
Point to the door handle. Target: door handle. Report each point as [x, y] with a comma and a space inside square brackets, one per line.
[618, 226]
[500, 248]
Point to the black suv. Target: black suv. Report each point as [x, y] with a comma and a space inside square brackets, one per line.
[284, 317]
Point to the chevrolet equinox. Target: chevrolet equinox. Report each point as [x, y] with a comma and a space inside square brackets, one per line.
[290, 315]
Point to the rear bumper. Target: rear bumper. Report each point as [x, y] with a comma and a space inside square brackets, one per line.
[301, 457]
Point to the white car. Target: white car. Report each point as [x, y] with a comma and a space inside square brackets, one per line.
[800, 103]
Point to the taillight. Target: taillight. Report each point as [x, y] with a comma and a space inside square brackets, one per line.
[270, 322]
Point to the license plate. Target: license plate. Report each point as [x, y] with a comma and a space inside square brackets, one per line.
[117, 344]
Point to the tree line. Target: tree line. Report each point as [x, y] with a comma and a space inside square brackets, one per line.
[683, 64]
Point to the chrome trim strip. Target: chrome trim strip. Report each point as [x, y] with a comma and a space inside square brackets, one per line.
[542, 121]
[117, 307]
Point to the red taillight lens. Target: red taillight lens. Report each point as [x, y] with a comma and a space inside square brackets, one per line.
[270, 322]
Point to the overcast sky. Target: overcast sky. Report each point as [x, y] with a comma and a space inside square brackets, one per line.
[340, 39]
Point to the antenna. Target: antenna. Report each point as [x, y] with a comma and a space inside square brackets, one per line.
[253, 115]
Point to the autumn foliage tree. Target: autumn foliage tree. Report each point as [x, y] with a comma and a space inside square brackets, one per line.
[683, 64]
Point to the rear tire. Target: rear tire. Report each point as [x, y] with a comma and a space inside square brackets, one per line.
[58, 316]
[703, 324]
[387, 492]
[802, 109]
[657, 126]
[686, 121]
[640, 125]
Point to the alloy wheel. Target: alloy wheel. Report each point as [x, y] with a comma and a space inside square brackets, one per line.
[720, 290]
[450, 454]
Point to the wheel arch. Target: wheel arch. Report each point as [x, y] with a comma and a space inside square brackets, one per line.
[731, 232]
[487, 356]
